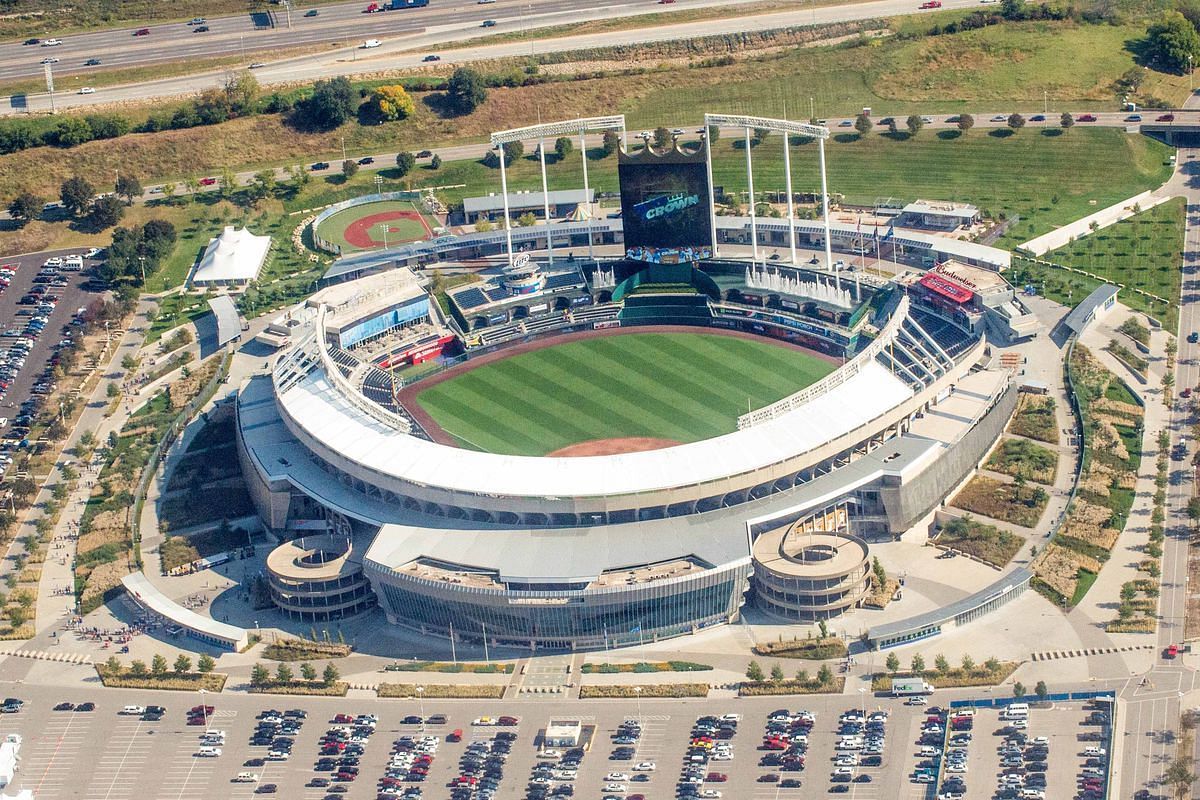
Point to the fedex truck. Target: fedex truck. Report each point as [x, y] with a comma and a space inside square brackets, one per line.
[907, 687]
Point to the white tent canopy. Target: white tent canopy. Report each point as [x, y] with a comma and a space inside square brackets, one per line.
[231, 259]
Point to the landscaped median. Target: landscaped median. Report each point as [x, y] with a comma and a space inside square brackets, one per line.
[1015, 502]
[446, 666]
[304, 650]
[647, 691]
[990, 673]
[284, 681]
[114, 675]
[814, 649]
[644, 666]
[987, 543]
[1035, 418]
[484, 691]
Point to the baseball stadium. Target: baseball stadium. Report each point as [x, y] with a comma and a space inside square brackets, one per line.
[569, 453]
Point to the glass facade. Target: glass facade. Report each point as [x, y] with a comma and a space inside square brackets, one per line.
[566, 619]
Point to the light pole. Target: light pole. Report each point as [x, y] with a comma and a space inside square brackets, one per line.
[383, 226]
[421, 705]
[1045, 101]
[242, 44]
[343, 148]
[637, 691]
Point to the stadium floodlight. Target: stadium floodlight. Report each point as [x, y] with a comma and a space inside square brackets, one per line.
[541, 132]
[787, 128]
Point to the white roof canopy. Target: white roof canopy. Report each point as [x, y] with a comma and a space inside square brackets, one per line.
[234, 256]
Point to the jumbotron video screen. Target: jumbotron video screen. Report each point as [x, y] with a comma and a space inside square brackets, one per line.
[665, 207]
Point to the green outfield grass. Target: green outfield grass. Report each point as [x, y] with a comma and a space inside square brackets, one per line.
[679, 386]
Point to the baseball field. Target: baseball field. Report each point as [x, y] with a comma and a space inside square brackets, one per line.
[371, 225]
[617, 393]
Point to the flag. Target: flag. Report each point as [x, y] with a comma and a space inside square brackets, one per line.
[891, 231]
[636, 629]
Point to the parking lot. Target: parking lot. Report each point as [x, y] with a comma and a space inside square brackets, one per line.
[129, 758]
[34, 310]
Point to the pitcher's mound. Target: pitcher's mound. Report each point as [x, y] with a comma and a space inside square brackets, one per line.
[610, 447]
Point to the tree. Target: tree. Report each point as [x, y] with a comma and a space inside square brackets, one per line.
[129, 187]
[1040, 690]
[880, 574]
[158, 665]
[259, 675]
[1016, 121]
[824, 675]
[914, 124]
[112, 666]
[465, 91]
[284, 674]
[240, 90]
[941, 663]
[25, 207]
[484, 225]
[776, 674]
[1179, 774]
[106, 212]
[349, 168]
[965, 123]
[1172, 42]
[330, 676]
[183, 665]
[823, 628]
[71, 131]
[802, 676]
[610, 142]
[563, 147]
[918, 663]
[205, 664]
[992, 665]
[526, 220]
[1193, 509]
[193, 186]
[968, 663]
[308, 672]
[1018, 690]
[1012, 10]
[754, 672]
[863, 124]
[264, 183]
[168, 191]
[512, 151]
[137, 668]
[893, 663]
[76, 195]
[662, 138]
[331, 104]
[392, 102]
[405, 161]
[435, 162]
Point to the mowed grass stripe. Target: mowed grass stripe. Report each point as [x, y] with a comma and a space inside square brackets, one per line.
[778, 370]
[723, 360]
[686, 404]
[679, 386]
[625, 396]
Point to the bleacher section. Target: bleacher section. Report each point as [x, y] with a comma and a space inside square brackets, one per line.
[953, 339]
[544, 323]
[377, 387]
[919, 356]
[346, 362]
[500, 332]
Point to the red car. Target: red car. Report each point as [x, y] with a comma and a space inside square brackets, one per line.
[142, 32]
[932, 4]
[507, 721]
[1171, 651]
[454, 735]
[1087, 118]
[211, 182]
[1165, 118]
[716, 777]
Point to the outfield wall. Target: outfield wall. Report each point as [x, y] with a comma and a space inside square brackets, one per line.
[336, 249]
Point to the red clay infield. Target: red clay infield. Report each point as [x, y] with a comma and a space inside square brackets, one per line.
[611, 447]
[358, 233]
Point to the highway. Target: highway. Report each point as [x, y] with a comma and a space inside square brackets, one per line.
[407, 36]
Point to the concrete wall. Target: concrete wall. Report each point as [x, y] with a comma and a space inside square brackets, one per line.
[908, 502]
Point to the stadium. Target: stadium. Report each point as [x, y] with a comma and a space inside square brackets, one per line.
[584, 453]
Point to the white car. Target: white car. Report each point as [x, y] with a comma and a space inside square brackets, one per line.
[246, 777]
[133, 710]
[87, 90]
[92, 252]
[616, 776]
[614, 788]
[369, 43]
[550, 754]
[50, 60]
[52, 43]
[713, 793]
[644, 766]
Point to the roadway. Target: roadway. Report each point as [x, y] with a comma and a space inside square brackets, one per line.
[407, 37]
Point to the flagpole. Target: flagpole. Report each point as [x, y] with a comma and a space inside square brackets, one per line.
[453, 654]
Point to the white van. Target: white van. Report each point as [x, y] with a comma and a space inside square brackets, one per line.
[208, 751]
[246, 777]
[134, 710]
[73, 263]
[214, 734]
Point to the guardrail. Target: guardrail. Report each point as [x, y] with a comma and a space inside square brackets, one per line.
[835, 378]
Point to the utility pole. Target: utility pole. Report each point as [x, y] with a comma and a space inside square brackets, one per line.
[50, 86]
[1045, 101]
